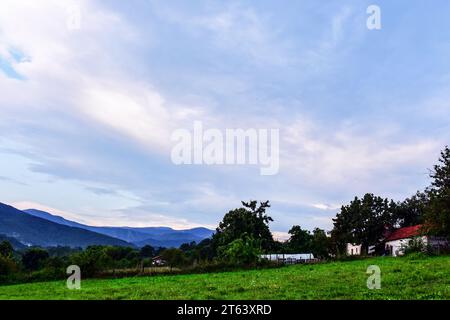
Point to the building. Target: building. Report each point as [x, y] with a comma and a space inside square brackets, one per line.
[353, 249]
[398, 240]
[158, 261]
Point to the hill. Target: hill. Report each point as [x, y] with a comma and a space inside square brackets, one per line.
[154, 236]
[401, 278]
[16, 244]
[34, 231]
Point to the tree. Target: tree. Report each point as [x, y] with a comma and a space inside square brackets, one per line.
[174, 257]
[147, 251]
[251, 220]
[412, 210]
[205, 250]
[7, 263]
[300, 240]
[320, 243]
[7, 266]
[363, 222]
[34, 259]
[437, 217]
[6, 249]
[243, 251]
[92, 260]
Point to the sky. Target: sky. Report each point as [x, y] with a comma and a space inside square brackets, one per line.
[91, 91]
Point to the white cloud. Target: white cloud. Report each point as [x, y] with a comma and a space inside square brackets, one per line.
[280, 236]
[345, 154]
[323, 206]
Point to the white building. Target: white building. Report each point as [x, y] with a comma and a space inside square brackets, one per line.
[397, 241]
[355, 249]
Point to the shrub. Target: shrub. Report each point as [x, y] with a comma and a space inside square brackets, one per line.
[416, 245]
[245, 251]
[7, 266]
[34, 259]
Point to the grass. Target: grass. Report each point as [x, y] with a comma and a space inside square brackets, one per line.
[401, 278]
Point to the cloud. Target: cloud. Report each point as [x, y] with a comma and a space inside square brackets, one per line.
[280, 236]
[96, 106]
[323, 206]
[235, 29]
[353, 153]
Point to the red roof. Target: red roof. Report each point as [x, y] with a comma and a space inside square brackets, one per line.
[407, 232]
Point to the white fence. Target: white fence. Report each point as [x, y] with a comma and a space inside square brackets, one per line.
[290, 258]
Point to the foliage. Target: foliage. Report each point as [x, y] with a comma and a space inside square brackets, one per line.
[416, 245]
[320, 244]
[174, 257]
[6, 249]
[363, 221]
[251, 220]
[438, 215]
[7, 266]
[34, 259]
[147, 251]
[300, 240]
[91, 261]
[412, 210]
[243, 251]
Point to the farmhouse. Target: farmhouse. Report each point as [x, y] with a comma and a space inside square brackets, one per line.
[398, 240]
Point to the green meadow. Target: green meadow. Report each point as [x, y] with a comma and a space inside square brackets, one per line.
[401, 278]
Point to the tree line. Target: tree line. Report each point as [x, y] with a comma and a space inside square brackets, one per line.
[244, 234]
[367, 220]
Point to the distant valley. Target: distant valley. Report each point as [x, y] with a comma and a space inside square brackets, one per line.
[40, 228]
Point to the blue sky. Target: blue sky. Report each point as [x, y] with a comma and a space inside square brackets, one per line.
[86, 114]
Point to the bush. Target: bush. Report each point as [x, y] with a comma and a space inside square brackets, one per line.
[7, 266]
[34, 259]
[91, 261]
[416, 245]
[243, 251]
[174, 257]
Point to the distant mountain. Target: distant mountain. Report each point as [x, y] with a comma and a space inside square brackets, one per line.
[35, 231]
[124, 234]
[154, 236]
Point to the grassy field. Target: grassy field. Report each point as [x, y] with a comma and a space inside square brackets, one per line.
[401, 278]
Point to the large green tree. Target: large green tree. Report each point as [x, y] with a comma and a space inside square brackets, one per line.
[412, 210]
[299, 241]
[363, 222]
[251, 220]
[320, 243]
[437, 217]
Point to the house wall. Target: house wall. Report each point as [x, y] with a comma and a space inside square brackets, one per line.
[395, 247]
[353, 250]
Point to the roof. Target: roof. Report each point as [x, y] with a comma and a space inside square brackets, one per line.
[403, 233]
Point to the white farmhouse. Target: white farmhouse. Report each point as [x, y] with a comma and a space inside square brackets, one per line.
[400, 238]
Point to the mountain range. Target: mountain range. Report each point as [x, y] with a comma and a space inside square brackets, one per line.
[36, 227]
